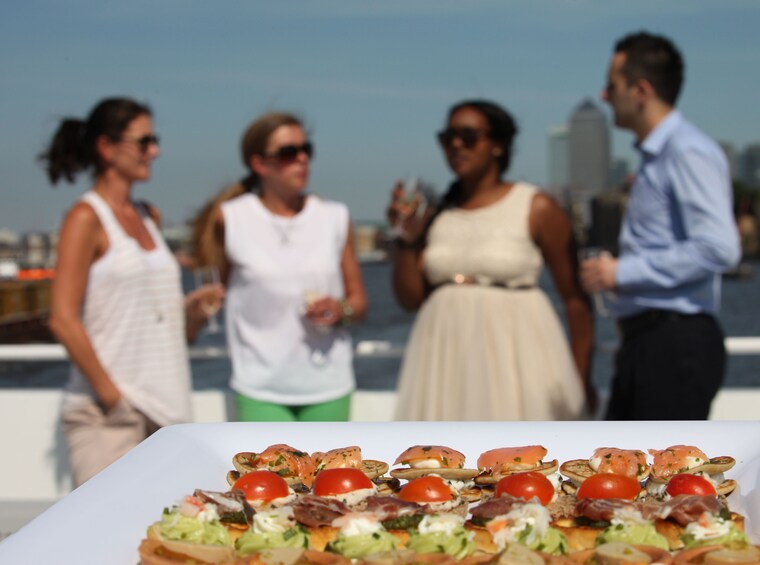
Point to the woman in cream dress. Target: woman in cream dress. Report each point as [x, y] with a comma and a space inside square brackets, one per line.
[487, 343]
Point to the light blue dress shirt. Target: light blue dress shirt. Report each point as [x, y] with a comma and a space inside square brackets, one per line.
[679, 232]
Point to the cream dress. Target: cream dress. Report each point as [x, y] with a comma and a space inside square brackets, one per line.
[493, 350]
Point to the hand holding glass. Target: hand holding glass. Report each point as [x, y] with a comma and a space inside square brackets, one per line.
[411, 200]
[586, 254]
[321, 319]
[211, 305]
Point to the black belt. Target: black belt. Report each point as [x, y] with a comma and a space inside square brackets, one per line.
[648, 319]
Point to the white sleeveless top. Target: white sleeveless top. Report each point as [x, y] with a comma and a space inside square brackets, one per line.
[278, 356]
[134, 315]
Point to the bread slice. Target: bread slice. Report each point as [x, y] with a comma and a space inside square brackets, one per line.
[169, 552]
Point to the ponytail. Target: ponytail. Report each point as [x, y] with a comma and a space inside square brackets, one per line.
[66, 156]
[73, 147]
[206, 247]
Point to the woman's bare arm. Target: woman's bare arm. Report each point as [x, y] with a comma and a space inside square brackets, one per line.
[552, 231]
[82, 241]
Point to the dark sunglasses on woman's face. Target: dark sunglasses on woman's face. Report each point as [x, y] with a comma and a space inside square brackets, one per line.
[143, 142]
[468, 136]
[288, 153]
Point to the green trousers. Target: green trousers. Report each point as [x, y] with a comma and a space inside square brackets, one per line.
[250, 410]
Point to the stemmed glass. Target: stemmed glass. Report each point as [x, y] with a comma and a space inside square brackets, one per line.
[207, 276]
[417, 196]
[585, 254]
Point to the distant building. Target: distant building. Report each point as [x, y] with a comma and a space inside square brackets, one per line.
[38, 249]
[588, 149]
[750, 165]
[559, 166]
[9, 238]
[732, 157]
[370, 243]
[619, 171]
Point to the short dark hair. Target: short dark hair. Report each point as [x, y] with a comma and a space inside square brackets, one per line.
[502, 125]
[655, 59]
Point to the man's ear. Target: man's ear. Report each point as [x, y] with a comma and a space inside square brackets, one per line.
[644, 89]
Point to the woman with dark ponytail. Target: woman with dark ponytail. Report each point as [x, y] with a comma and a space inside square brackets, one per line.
[487, 344]
[117, 302]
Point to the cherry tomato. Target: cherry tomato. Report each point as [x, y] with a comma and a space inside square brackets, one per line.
[262, 485]
[609, 485]
[685, 483]
[426, 489]
[527, 486]
[340, 481]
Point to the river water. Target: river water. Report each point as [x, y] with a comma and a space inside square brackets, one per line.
[386, 321]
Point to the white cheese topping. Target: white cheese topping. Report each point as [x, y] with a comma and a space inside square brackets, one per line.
[708, 527]
[440, 523]
[275, 502]
[445, 506]
[273, 521]
[530, 515]
[459, 486]
[628, 516]
[425, 464]
[356, 496]
[208, 514]
[657, 489]
[357, 524]
[555, 479]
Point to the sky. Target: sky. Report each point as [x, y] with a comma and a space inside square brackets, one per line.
[372, 79]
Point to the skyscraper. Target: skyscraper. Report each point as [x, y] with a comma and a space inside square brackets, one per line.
[588, 149]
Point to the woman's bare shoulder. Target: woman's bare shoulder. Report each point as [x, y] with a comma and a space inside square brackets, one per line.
[81, 215]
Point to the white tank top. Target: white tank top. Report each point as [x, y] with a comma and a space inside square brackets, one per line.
[134, 315]
[277, 356]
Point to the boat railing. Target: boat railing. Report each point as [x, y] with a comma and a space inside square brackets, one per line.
[36, 472]
[362, 349]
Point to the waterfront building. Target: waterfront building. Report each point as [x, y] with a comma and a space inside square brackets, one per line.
[559, 166]
[589, 149]
[732, 156]
[750, 165]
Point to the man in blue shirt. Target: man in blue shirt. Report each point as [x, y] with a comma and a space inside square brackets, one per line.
[677, 237]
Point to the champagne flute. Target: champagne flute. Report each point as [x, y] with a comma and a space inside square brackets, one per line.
[209, 276]
[592, 253]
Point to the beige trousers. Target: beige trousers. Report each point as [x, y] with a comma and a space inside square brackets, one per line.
[96, 439]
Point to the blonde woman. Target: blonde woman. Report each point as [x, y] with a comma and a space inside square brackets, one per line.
[293, 280]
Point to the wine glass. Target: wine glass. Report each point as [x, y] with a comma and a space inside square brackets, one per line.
[209, 276]
[417, 196]
[314, 292]
[585, 254]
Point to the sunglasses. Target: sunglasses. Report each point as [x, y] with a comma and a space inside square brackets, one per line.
[468, 136]
[143, 142]
[288, 153]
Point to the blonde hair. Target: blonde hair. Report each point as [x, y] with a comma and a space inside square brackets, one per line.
[206, 248]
